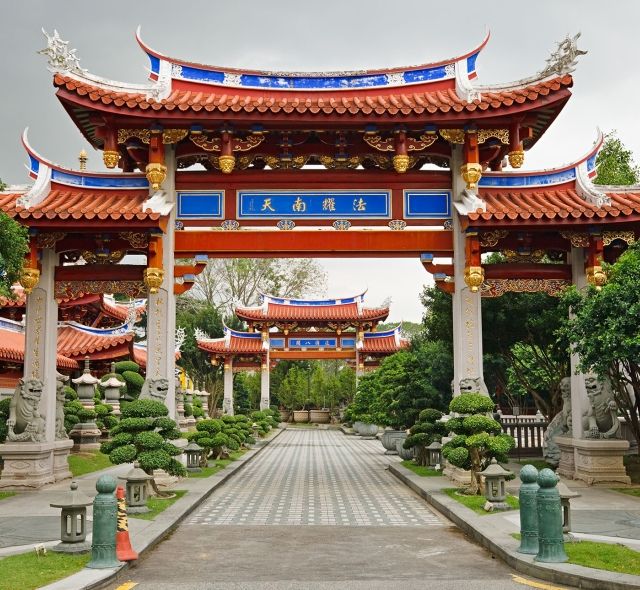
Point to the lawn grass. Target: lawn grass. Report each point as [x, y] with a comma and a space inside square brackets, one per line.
[476, 503]
[86, 462]
[157, 505]
[4, 495]
[218, 465]
[629, 491]
[539, 464]
[28, 571]
[419, 470]
[601, 556]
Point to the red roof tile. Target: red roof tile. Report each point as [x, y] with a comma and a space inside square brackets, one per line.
[12, 350]
[236, 345]
[85, 203]
[383, 344]
[308, 313]
[551, 205]
[75, 342]
[346, 102]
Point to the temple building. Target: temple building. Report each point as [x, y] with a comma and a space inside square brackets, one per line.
[207, 161]
[301, 329]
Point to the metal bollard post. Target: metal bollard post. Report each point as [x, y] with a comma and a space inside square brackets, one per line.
[551, 542]
[528, 510]
[105, 515]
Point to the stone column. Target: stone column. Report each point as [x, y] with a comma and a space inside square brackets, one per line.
[227, 402]
[579, 400]
[265, 394]
[467, 312]
[161, 306]
[33, 464]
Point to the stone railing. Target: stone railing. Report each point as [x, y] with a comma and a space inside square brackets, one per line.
[528, 430]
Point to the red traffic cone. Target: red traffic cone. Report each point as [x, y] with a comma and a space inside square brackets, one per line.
[124, 551]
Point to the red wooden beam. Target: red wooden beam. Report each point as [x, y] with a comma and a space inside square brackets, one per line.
[527, 271]
[99, 272]
[313, 244]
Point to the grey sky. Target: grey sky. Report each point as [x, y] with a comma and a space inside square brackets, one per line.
[333, 34]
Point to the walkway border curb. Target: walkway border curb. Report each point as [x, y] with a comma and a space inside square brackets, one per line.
[173, 516]
[504, 546]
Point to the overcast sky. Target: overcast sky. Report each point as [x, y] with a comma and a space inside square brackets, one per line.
[331, 35]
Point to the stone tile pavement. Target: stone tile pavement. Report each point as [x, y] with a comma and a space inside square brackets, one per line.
[309, 477]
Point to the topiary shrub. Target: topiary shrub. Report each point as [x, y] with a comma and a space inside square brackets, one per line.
[188, 410]
[425, 431]
[71, 410]
[142, 435]
[124, 366]
[198, 412]
[4, 416]
[134, 383]
[479, 437]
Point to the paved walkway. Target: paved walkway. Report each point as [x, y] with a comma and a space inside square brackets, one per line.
[318, 510]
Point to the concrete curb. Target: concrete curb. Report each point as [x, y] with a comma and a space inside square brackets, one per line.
[162, 526]
[504, 546]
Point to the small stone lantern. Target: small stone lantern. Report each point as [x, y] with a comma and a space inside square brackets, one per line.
[73, 521]
[86, 386]
[136, 490]
[495, 491]
[435, 454]
[193, 451]
[256, 432]
[112, 388]
[565, 501]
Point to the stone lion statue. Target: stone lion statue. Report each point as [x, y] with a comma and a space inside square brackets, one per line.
[155, 389]
[559, 425]
[61, 431]
[473, 385]
[25, 424]
[601, 419]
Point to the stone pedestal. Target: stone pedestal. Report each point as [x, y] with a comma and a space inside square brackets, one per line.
[31, 465]
[460, 477]
[85, 436]
[593, 461]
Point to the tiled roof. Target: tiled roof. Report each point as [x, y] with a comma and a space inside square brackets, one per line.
[76, 342]
[237, 345]
[339, 102]
[84, 203]
[552, 205]
[322, 313]
[12, 350]
[384, 344]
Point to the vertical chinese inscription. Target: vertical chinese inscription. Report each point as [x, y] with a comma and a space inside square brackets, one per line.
[470, 333]
[37, 335]
[159, 334]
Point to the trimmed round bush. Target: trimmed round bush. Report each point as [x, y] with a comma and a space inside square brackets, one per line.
[148, 440]
[478, 422]
[429, 415]
[164, 423]
[86, 415]
[133, 425]
[145, 407]
[188, 410]
[458, 456]
[124, 454]
[471, 403]
[124, 366]
[122, 438]
[69, 393]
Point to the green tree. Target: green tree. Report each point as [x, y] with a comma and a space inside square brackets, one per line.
[605, 332]
[13, 249]
[615, 162]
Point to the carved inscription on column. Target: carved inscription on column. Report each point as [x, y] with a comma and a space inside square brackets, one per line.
[469, 333]
[37, 335]
[159, 334]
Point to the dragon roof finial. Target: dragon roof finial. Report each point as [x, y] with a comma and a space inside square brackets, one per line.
[565, 58]
[60, 57]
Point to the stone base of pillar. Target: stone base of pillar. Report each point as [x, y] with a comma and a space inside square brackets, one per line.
[85, 436]
[595, 461]
[88, 404]
[30, 466]
[264, 404]
[183, 424]
[191, 422]
[461, 477]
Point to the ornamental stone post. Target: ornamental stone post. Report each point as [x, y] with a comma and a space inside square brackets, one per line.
[265, 394]
[528, 510]
[550, 538]
[227, 402]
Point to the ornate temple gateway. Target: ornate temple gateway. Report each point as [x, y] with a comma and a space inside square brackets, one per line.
[208, 161]
[297, 329]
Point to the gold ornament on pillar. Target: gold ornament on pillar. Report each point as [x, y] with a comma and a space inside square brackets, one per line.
[110, 158]
[227, 164]
[400, 163]
[474, 277]
[83, 159]
[596, 276]
[153, 279]
[516, 158]
[29, 279]
[472, 173]
[156, 173]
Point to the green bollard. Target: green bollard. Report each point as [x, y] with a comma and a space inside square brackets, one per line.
[528, 510]
[105, 519]
[551, 542]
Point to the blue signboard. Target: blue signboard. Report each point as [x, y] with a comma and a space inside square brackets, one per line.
[200, 205]
[348, 342]
[277, 342]
[427, 204]
[313, 204]
[312, 343]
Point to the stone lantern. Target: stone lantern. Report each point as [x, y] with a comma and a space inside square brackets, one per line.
[137, 490]
[495, 490]
[435, 454]
[193, 451]
[112, 388]
[188, 399]
[73, 521]
[204, 397]
[565, 501]
[86, 386]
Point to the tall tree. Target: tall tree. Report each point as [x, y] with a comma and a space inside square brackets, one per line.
[13, 248]
[227, 282]
[615, 162]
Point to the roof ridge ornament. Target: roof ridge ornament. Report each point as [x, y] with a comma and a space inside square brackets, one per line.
[60, 57]
[565, 58]
[587, 190]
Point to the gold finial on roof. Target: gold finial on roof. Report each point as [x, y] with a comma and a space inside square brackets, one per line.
[82, 158]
